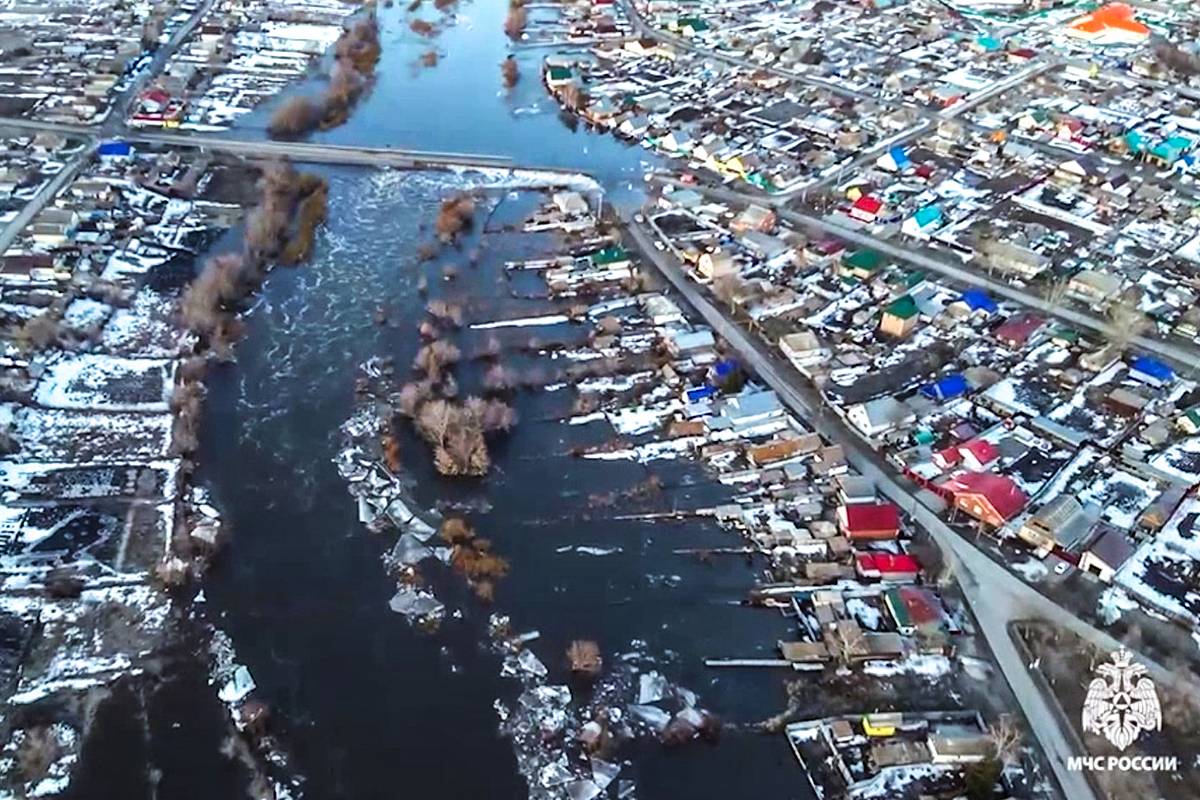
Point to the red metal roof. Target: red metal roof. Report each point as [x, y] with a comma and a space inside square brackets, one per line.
[1000, 491]
[871, 517]
[887, 563]
[923, 605]
[949, 456]
[868, 204]
[1018, 329]
[984, 451]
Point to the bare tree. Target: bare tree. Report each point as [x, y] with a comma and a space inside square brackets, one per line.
[849, 641]
[727, 289]
[584, 659]
[1126, 322]
[1056, 292]
[1005, 736]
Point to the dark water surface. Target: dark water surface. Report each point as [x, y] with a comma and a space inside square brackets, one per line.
[372, 708]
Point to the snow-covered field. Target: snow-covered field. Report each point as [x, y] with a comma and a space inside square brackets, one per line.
[90, 381]
[1161, 573]
[81, 436]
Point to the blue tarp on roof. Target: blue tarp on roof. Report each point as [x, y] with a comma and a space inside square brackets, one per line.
[946, 388]
[114, 149]
[699, 393]
[724, 367]
[900, 157]
[978, 300]
[1153, 368]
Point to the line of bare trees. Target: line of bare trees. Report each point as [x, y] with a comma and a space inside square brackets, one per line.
[356, 54]
[455, 428]
[280, 228]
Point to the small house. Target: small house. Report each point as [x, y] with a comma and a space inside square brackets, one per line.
[1151, 371]
[866, 209]
[946, 388]
[1017, 331]
[978, 454]
[869, 521]
[1107, 553]
[881, 415]
[887, 567]
[1062, 523]
[900, 317]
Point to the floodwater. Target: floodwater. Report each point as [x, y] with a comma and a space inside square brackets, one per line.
[369, 707]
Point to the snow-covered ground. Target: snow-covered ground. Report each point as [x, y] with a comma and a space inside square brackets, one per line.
[1161, 573]
[90, 381]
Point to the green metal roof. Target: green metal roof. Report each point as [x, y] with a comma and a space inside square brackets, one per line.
[609, 255]
[903, 307]
[867, 260]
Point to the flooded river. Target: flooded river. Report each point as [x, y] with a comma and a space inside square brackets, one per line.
[370, 707]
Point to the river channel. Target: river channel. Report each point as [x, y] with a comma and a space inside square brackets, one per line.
[371, 707]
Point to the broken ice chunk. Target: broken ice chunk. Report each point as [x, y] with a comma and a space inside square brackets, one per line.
[531, 664]
[555, 773]
[557, 696]
[409, 551]
[583, 790]
[655, 717]
[604, 772]
[652, 686]
[238, 686]
[415, 603]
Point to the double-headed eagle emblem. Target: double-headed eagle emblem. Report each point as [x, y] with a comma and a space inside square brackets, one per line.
[1121, 702]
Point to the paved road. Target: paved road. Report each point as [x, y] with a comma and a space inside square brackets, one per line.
[39, 201]
[995, 596]
[114, 123]
[299, 151]
[1178, 352]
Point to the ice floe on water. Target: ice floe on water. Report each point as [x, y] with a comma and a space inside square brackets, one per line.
[566, 738]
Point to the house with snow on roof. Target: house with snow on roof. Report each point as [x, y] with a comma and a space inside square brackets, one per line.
[881, 415]
[894, 160]
[1063, 523]
[978, 454]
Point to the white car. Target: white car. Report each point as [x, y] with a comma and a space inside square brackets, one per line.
[1061, 568]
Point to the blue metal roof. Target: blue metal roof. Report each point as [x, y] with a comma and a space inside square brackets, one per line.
[978, 300]
[114, 148]
[1153, 368]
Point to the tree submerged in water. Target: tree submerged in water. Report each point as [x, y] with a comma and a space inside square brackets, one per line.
[584, 659]
[357, 51]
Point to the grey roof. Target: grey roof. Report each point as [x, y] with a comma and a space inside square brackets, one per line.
[1112, 547]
